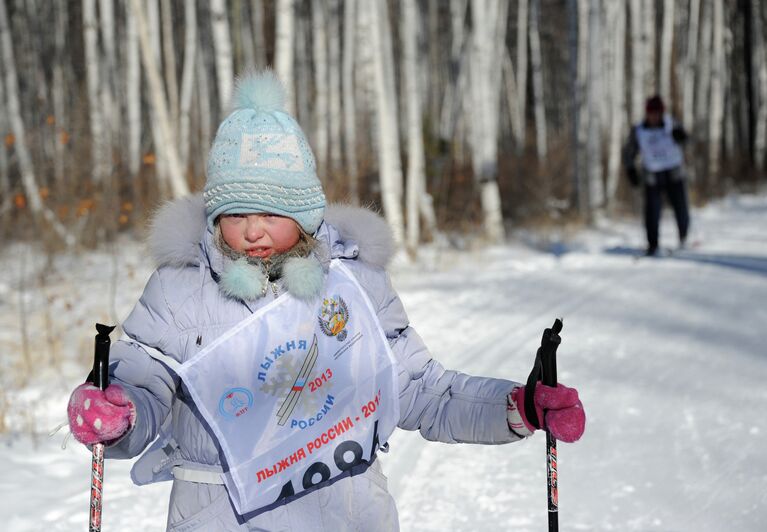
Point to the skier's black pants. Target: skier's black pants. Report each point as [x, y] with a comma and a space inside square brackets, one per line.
[677, 196]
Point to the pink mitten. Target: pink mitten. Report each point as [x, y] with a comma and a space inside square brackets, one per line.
[97, 416]
[565, 418]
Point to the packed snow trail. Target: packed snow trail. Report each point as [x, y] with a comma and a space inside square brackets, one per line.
[668, 355]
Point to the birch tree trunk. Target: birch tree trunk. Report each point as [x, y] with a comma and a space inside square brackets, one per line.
[95, 111]
[5, 181]
[320, 49]
[594, 143]
[667, 43]
[178, 185]
[522, 18]
[538, 96]
[648, 43]
[26, 168]
[257, 20]
[638, 62]
[581, 108]
[304, 87]
[222, 44]
[703, 83]
[617, 20]
[483, 110]
[451, 102]
[108, 86]
[716, 122]
[759, 69]
[349, 104]
[187, 80]
[205, 113]
[689, 74]
[283, 48]
[132, 93]
[388, 129]
[154, 29]
[415, 152]
[169, 61]
[334, 85]
[60, 84]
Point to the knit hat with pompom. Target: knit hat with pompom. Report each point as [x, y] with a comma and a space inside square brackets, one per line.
[260, 161]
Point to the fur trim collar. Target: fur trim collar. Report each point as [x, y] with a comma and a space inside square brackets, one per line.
[178, 232]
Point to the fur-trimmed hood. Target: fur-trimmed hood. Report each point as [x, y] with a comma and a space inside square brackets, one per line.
[179, 236]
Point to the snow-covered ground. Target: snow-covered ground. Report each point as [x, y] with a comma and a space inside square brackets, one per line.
[668, 354]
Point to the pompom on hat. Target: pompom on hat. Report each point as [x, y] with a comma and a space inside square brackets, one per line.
[260, 161]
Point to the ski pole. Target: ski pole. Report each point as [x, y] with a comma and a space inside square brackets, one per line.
[545, 370]
[100, 378]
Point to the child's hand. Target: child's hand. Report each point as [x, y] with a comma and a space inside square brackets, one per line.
[564, 414]
[97, 416]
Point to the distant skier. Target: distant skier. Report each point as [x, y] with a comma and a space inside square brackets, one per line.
[247, 315]
[658, 141]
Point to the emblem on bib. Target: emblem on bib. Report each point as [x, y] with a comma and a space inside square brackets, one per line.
[334, 316]
[235, 402]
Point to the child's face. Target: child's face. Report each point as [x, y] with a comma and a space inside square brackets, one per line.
[259, 235]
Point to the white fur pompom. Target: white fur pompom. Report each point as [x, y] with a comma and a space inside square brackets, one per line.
[243, 281]
[262, 91]
[303, 277]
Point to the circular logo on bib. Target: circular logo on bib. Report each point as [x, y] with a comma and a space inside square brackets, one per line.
[235, 402]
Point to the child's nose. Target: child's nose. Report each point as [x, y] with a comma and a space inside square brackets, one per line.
[254, 229]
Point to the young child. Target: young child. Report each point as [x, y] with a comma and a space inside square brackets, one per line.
[269, 358]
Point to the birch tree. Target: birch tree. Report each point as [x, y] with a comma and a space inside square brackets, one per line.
[521, 78]
[132, 93]
[388, 129]
[257, 20]
[93, 81]
[690, 64]
[222, 44]
[538, 96]
[349, 104]
[487, 36]
[667, 42]
[187, 80]
[26, 168]
[177, 182]
[60, 83]
[703, 82]
[169, 61]
[594, 145]
[716, 124]
[320, 118]
[617, 21]
[415, 153]
[283, 48]
[638, 61]
[759, 68]
[334, 85]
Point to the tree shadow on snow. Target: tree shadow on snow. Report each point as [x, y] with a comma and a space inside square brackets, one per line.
[748, 263]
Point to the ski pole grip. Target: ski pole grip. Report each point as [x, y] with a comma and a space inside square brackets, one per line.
[549, 354]
[101, 356]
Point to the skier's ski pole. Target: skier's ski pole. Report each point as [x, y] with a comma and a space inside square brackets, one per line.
[545, 370]
[100, 377]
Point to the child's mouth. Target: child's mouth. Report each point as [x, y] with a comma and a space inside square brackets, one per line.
[260, 253]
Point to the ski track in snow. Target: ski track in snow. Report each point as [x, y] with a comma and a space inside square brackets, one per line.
[668, 355]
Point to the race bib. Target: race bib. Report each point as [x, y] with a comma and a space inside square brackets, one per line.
[658, 149]
[297, 393]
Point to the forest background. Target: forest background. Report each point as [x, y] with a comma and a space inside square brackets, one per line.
[459, 116]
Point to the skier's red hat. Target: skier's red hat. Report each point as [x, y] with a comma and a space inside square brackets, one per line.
[654, 104]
